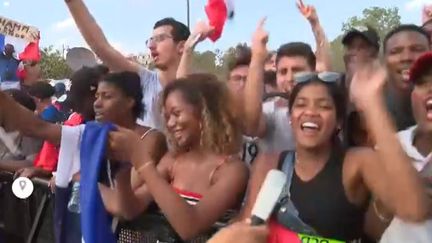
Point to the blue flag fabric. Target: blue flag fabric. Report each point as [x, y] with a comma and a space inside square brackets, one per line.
[95, 220]
[67, 225]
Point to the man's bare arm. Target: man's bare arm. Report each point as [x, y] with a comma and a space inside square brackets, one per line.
[96, 39]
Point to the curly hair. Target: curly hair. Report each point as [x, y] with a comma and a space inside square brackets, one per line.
[84, 83]
[220, 131]
[130, 85]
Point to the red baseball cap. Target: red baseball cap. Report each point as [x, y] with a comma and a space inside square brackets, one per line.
[421, 66]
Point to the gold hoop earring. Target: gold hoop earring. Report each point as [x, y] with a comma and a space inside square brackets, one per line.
[201, 134]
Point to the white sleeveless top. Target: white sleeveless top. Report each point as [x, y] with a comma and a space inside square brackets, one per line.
[400, 231]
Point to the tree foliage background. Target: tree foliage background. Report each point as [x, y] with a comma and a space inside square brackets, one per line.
[383, 20]
[216, 62]
[53, 64]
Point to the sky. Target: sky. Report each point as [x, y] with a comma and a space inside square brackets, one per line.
[128, 23]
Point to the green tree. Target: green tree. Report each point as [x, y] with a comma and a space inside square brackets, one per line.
[204, 62]
[228, 57]
[216, 62]
[53, 65]
[337, 51]
[382, 19]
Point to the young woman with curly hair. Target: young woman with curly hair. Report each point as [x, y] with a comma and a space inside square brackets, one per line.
[198, 182]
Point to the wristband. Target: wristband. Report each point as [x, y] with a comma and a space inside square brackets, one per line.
[380, 216]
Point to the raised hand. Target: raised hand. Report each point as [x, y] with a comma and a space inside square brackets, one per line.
[124, 145]
[427, 13]
[201, 31]
[259, 40]
[308, 11]
[367, 84]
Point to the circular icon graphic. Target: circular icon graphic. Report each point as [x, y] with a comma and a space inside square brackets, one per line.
[22, 187]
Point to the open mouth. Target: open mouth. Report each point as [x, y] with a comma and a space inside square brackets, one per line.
[154, 55]
[310, 127]
[405, 75]
[177, 134]
[429, 109]
[98, 115]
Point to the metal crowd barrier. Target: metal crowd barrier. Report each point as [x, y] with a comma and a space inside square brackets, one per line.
[32, 220]
[29, 220]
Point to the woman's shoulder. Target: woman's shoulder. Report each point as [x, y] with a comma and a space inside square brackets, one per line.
[233, 162]
[145, 132]
[267, 161]
[231, 168]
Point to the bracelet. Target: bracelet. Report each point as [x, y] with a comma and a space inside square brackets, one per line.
[380, 216]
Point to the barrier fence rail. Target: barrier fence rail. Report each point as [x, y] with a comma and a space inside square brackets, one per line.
[29, 220]
[32, 220]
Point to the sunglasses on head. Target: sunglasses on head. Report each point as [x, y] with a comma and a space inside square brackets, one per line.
[326, 77]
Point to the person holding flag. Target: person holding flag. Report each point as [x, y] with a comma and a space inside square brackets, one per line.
[218, 11]
[8, 64]
[166, 46]
[117, 102]
[22, 39]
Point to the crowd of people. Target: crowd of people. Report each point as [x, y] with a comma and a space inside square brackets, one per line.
[188, 153]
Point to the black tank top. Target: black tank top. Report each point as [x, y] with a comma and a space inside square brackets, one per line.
[323, 205]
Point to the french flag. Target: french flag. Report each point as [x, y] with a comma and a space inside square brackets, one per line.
[24, 38]
[27, 51]
[218, 11]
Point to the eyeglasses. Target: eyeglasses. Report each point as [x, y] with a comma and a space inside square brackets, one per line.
[158, 39]
[326, 77]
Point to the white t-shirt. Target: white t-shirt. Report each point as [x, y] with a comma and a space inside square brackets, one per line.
[400, 231]
[406, 139]
[151, 87]
[279, 135]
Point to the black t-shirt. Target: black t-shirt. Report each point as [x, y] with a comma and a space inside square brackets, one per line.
[322, 202]
[399, 108]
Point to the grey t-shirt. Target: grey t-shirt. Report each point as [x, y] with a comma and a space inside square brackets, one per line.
[279, 136]
[14, 146]
[151, 88]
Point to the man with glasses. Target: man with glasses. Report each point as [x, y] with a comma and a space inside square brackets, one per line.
[166, 47]
[238, 69]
